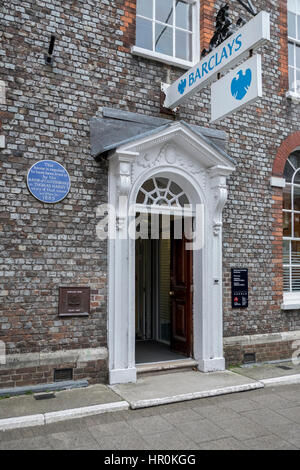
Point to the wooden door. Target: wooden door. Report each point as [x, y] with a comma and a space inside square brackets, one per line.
[181, 296]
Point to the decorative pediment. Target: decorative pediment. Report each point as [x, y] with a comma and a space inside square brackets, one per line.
[176, 145]
[175, 149]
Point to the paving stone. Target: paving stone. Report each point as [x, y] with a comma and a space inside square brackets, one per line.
[73, 440]
[150, 424]
[293, 413]
[290, 433]
[269, 443]
[171, 440]
[272, 401]
[203, 430]
[182, 416]
[134, 441]
[243, 404]
[228, 443]
[110, 429]
[267, 418]
[34, 443]
[214, 413]
[290, 394]
[243, 428]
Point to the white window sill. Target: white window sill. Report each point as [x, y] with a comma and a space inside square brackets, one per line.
[291, 301]
[295, 97]
[139, 51]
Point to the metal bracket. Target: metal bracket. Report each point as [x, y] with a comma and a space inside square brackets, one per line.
[171, 112]
[249, 7]
[48, 56]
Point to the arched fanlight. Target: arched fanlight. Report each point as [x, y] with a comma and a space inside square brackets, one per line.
[162, 191]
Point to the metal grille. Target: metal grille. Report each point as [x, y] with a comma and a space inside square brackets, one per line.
[249, 358]
[63, 374]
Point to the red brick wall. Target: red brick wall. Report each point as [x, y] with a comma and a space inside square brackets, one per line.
[277, 260]
[207, 22]
[264, 352]
[128, 28]
[283, 55]
[93, 371]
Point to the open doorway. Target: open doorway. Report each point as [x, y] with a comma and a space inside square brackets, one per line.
[164, 299]
[165, 171]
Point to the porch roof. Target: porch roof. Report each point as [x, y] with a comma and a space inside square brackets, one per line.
[117, 128]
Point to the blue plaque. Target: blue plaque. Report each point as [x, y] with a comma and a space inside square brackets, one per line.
[48, 181]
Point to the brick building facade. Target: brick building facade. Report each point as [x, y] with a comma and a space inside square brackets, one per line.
[46, 114]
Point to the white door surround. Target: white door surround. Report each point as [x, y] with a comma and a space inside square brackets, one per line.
[200, 169]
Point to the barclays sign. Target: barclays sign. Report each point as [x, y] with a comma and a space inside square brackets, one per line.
[228, 54]
[215, 60]
[208, 66]
[240, 84]
[238, 88]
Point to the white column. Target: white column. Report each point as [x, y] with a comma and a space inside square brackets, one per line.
[121, 312]
[212, 357]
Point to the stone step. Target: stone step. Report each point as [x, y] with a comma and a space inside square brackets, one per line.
[155, 368]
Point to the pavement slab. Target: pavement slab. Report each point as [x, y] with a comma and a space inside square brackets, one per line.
[229, 443]
[182, 416]
[169, 441]
[289, 432]
[267, 419]
[269, 443]
[243, 428]
[290, 393]
[217, 413]
[133, 441]
[67, 399]
[181, 386]
[293, 413]
[203, 430]
[268, 371]
[29, 443]
[150, 424]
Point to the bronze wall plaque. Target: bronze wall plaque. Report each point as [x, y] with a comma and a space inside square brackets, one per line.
[74, 301]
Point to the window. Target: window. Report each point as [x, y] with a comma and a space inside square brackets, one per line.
[294, 45]
[168, 30]
[163, 192]
[291, 225]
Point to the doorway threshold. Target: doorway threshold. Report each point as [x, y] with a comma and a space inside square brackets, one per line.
[183, 386]
[166, 366]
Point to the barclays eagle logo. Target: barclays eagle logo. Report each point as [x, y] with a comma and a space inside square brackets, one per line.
[240, 85]
[181, 86]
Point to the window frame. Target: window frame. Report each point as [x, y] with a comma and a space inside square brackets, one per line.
[291, 298]
[171, 60]
[294, 41]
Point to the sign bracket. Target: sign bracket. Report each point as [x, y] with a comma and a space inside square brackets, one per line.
[225, 56]
[250, 8]
[163, 110]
